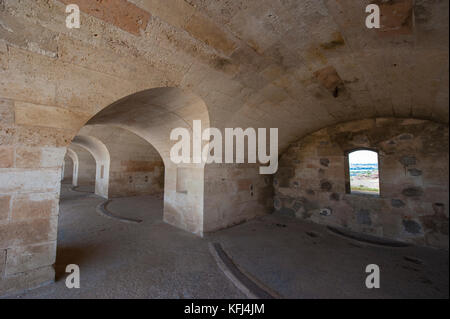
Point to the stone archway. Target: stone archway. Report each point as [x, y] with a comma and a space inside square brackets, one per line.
[152, 114]
[102, 161]
[74, 157]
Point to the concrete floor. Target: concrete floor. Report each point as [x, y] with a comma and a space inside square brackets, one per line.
[293, 258]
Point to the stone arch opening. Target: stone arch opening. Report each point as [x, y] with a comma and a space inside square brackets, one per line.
[136, 168]
[102, 161]
[75, 164]
[152, 114]
[85, 168]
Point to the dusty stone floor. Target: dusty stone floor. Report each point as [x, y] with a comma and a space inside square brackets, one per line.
[298, 259]
[294, 258]
[120, 260]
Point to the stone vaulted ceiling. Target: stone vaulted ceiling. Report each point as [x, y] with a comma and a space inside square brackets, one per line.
[312, 63]
[298, 65]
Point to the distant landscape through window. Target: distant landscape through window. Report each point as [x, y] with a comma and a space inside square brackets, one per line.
[364, 177]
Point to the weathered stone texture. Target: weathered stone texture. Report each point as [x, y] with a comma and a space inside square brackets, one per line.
[26, 258]
[6, 157]
[5, 204]
[27, 232]
[412, 206]
[38, 115]
[27, 207]
[26, 280]
[6, 112]
[234, 195]
[120, 13]
[23, 181]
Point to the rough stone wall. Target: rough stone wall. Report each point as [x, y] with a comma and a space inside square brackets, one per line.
[144, 176]
[30, 172]
[235, 194]
[414, 183]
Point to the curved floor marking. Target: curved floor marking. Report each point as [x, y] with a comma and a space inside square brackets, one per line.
[102, 209]
[74, 189]
[247, 284]
[367, 238]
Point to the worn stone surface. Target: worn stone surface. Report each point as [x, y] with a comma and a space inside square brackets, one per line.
[26, 258]
[296, 65]
[250, 195]
[27, 280]
[120, 13]
[411, 206]
[26, 232]
[6, 112]
[396, 17]
[27, 207]
[5, 205]
[37, 115]
[6, 157]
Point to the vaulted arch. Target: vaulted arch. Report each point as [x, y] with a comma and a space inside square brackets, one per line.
[74, 157]
[102, 160]
[152, 114]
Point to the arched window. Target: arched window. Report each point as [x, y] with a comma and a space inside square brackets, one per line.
[362, 172]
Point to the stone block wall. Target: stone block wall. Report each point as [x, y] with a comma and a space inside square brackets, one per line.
[30, 173]
[413, 172]
[137, 178]
[235, 194]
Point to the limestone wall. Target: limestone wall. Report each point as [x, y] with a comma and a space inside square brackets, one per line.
[235, 194]
[413, 170]
[137, 177]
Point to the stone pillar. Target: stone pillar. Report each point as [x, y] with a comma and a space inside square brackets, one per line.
[29, 199]
[30, 173]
